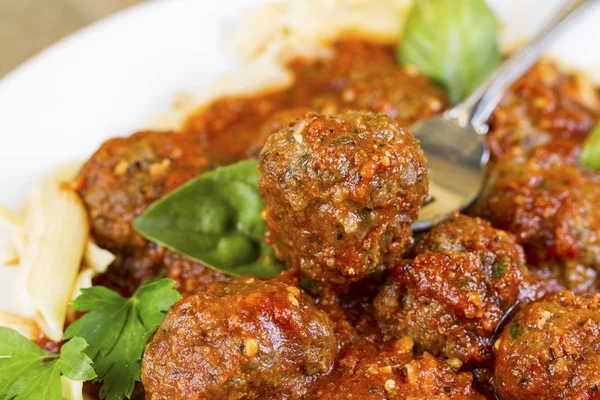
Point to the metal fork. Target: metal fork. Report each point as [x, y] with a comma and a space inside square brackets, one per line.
[454, 143]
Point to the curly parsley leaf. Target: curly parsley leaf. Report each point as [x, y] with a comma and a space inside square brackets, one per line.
[28, 373]
[118, 329]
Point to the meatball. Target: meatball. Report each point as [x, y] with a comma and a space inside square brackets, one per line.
[239, 339]
[450, 298]
[189, 276]
[543, 105]
[366, 373]
[552, 205]
[276, 122]
[551, 350]
[401, 94]
[341, 194]
[121, 180]
[127, 174]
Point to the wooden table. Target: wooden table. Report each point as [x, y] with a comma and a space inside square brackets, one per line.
[28, 26]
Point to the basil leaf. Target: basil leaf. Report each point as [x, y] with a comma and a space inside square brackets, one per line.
[215, 220]
[590, 154]
[453, 42]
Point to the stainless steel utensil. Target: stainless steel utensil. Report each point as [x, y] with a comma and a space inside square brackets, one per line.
[454, 143]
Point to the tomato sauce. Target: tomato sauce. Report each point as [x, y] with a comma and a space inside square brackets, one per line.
[424, 326]
[361, 76]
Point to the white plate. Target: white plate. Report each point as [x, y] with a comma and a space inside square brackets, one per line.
[107, 79]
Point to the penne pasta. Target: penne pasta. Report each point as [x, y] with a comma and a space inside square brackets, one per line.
[71, 390]
[12, 219]
[96, 258]
[95, 261]
[57, 229]
[11, 249]
[9, 254]
[301, 25]
[84, 280]
[25, 326]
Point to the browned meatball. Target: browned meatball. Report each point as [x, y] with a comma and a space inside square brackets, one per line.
[450, 298]
[189, 276]
[240, 339]
[403, 95]
[121, 180]
[552, 206]
[127, 174]
[551, 350]
[543, 105]
[365, 373]
[341, 193]
[276, 122]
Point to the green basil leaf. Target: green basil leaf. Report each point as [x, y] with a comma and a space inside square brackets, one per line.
[215, 220]
[590, 154]
[453, 42]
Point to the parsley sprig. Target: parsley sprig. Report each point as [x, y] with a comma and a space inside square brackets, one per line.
[28, 373]
[117, 330]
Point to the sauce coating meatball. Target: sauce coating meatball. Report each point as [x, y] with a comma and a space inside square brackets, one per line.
[545, 104]
[367, 373]
[403, 95]
[552, 205]
[121, 180]
[240, 339]
[341, 194]
[127, 174]
[451, 297]
[189, 276]
[551, 350]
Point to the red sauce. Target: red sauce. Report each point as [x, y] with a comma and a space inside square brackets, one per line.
[468, 278]
[360, 77]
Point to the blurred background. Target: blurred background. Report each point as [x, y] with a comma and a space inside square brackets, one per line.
[28, 26]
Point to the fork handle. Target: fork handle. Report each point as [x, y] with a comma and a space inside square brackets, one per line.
[478, 107]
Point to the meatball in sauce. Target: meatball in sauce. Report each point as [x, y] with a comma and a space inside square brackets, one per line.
[551, 350]
[239, 339]
[120, 181]
[363, 312]
[364, 371]
[465, 276]
[341, 194]
[552, 205]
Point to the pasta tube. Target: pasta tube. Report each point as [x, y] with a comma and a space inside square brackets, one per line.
[25, 326]
[57, 229]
